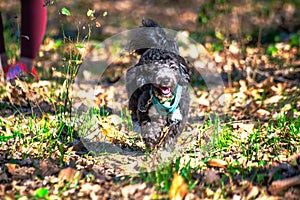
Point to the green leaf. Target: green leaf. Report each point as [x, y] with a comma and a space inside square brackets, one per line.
[57, 43]
[41, 192]
[90, 13]
[272, 49]
[65, 11]
[80, 46]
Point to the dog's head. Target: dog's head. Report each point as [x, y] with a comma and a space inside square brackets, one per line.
[164, 71]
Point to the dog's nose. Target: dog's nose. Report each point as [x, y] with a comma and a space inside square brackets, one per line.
[165, 81]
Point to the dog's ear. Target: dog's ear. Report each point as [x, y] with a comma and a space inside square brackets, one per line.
[185, 73]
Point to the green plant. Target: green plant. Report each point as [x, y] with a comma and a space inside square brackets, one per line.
[295, 39]
[162, 177]
[225, 138]
[41, 193]
[73, 58]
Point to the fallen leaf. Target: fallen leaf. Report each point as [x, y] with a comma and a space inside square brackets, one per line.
[2, 189]
[47, 168]
[256, 94]
[108, 130]
[98, 24]
[129, 190]
[114, 119]
[273, 99]
[11, 168]
[208, 192]
[263, 113]
[210, 177]
[234, 48]
[178, 189]
[87, 188]
[243, 86]
[214, 162]
[69, 174]
[20, 172]
[252, 192]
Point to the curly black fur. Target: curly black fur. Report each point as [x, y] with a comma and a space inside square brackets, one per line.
[160, 70]
[151, 35]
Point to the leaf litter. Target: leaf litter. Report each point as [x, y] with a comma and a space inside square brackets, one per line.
[254, 161]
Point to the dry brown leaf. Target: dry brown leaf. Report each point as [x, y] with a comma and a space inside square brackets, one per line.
[210, 177]
[178, 189]
[11, 168]
[278, 88]
[243, 127]
[87, 188]
[263, 113]
[2, 189]
[234, 48]
[266, 83]
[243, 86]
[69, 174]
[214, 162]
[273, 99]
[98, 24]
[47, 168]
[129, 190]
[204, 99]
[191, 196]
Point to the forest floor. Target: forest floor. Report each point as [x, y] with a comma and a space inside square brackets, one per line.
[241, 141]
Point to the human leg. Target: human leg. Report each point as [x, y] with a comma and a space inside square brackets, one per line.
[33, 26]
[3, 56]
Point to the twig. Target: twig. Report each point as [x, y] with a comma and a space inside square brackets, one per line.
[278, 78]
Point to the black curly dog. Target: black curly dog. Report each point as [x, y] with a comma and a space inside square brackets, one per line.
[158, 87]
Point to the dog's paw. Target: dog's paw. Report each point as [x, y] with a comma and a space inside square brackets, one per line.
[151, 133]
[136, 127]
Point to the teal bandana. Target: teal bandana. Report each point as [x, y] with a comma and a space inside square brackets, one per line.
[167, 107]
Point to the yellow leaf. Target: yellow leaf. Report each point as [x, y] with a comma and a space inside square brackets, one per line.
[108, 130]
[219, 35]
[256, 94]
[179, 188]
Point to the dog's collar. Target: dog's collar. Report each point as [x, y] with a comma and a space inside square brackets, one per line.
[166, 108]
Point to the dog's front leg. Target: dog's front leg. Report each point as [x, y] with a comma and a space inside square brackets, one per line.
[151, 133]
[152, 124]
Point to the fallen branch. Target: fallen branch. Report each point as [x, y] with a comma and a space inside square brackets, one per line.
[279, 186]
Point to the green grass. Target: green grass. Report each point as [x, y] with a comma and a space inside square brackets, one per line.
[162, 177]
[227, 140]
[270, 137]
